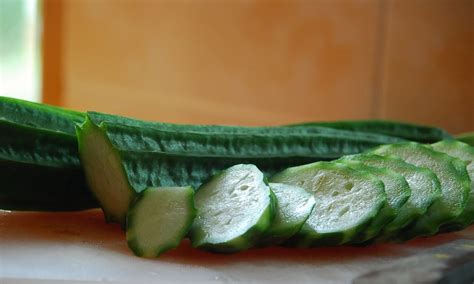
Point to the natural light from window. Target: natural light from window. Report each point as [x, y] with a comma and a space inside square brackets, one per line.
[20, 49]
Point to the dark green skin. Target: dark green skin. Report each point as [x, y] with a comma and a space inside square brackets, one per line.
[409, 131]
[153, 169]
[40, 115]
[107, 119]
[40, 171]
[319, 146]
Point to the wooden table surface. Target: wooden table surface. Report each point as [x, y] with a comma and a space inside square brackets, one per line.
[79, 247]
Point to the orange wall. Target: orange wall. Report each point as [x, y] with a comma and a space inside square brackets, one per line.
[264, 62]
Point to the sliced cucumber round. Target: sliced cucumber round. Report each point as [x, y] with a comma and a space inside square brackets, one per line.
[398, 191]
[455, 186]
[293, 207]
[235, 207]
[465, 153]
[159, 219]
[424, 184]
[347, 201]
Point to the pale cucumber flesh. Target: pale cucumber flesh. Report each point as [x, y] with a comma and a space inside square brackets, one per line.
[346, 201]
[464, 152]
[234, 209]
[159, 219]
[454, 187]
[293, 207]
[424, 184]
[397, 191]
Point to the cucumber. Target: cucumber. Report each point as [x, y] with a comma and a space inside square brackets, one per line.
[465, 153]
[121, 160]
[409, 131]
[320, 146]
[39, 161]
[235, 207]
[159, 219]
[101, 118]
[455, 186]
[347, 201]
[293, 207]
[424, 184]
[467, 138]
[40, 116]
[397, 190]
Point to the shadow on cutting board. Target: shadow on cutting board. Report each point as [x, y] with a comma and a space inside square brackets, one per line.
[88, 229]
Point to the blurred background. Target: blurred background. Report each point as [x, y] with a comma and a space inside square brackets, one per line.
[245, 62]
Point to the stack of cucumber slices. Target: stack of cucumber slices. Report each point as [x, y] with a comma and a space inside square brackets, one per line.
[230, 188]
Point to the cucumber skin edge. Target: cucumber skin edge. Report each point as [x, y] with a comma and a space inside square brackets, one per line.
[80, 128]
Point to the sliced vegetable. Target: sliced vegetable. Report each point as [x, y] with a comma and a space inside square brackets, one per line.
[159, 219]
[347, 201]
[424, 184]
[120, 161]
[409, 131]
[234, 209]
[293, 207]
[397, 190]
[455, 186]
[465, 153]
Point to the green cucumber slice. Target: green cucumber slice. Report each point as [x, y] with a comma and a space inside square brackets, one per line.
[424, 184]
[293, 207]
[347, 201]
[159, 219]
[465, 153]
[398, 191]
[235, 207]
[455, 186]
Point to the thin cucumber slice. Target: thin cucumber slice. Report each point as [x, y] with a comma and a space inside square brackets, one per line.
[159, 219]
[398, 191]
[424, 184]
[455, 186]
[294, 205]
[347, 201]
[234, 209]
[465, 153]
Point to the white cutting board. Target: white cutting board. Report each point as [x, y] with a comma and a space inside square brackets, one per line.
[69, 247]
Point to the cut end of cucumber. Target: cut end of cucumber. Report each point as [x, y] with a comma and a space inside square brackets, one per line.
[104, 172]
[160, 219]
[234, 208]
